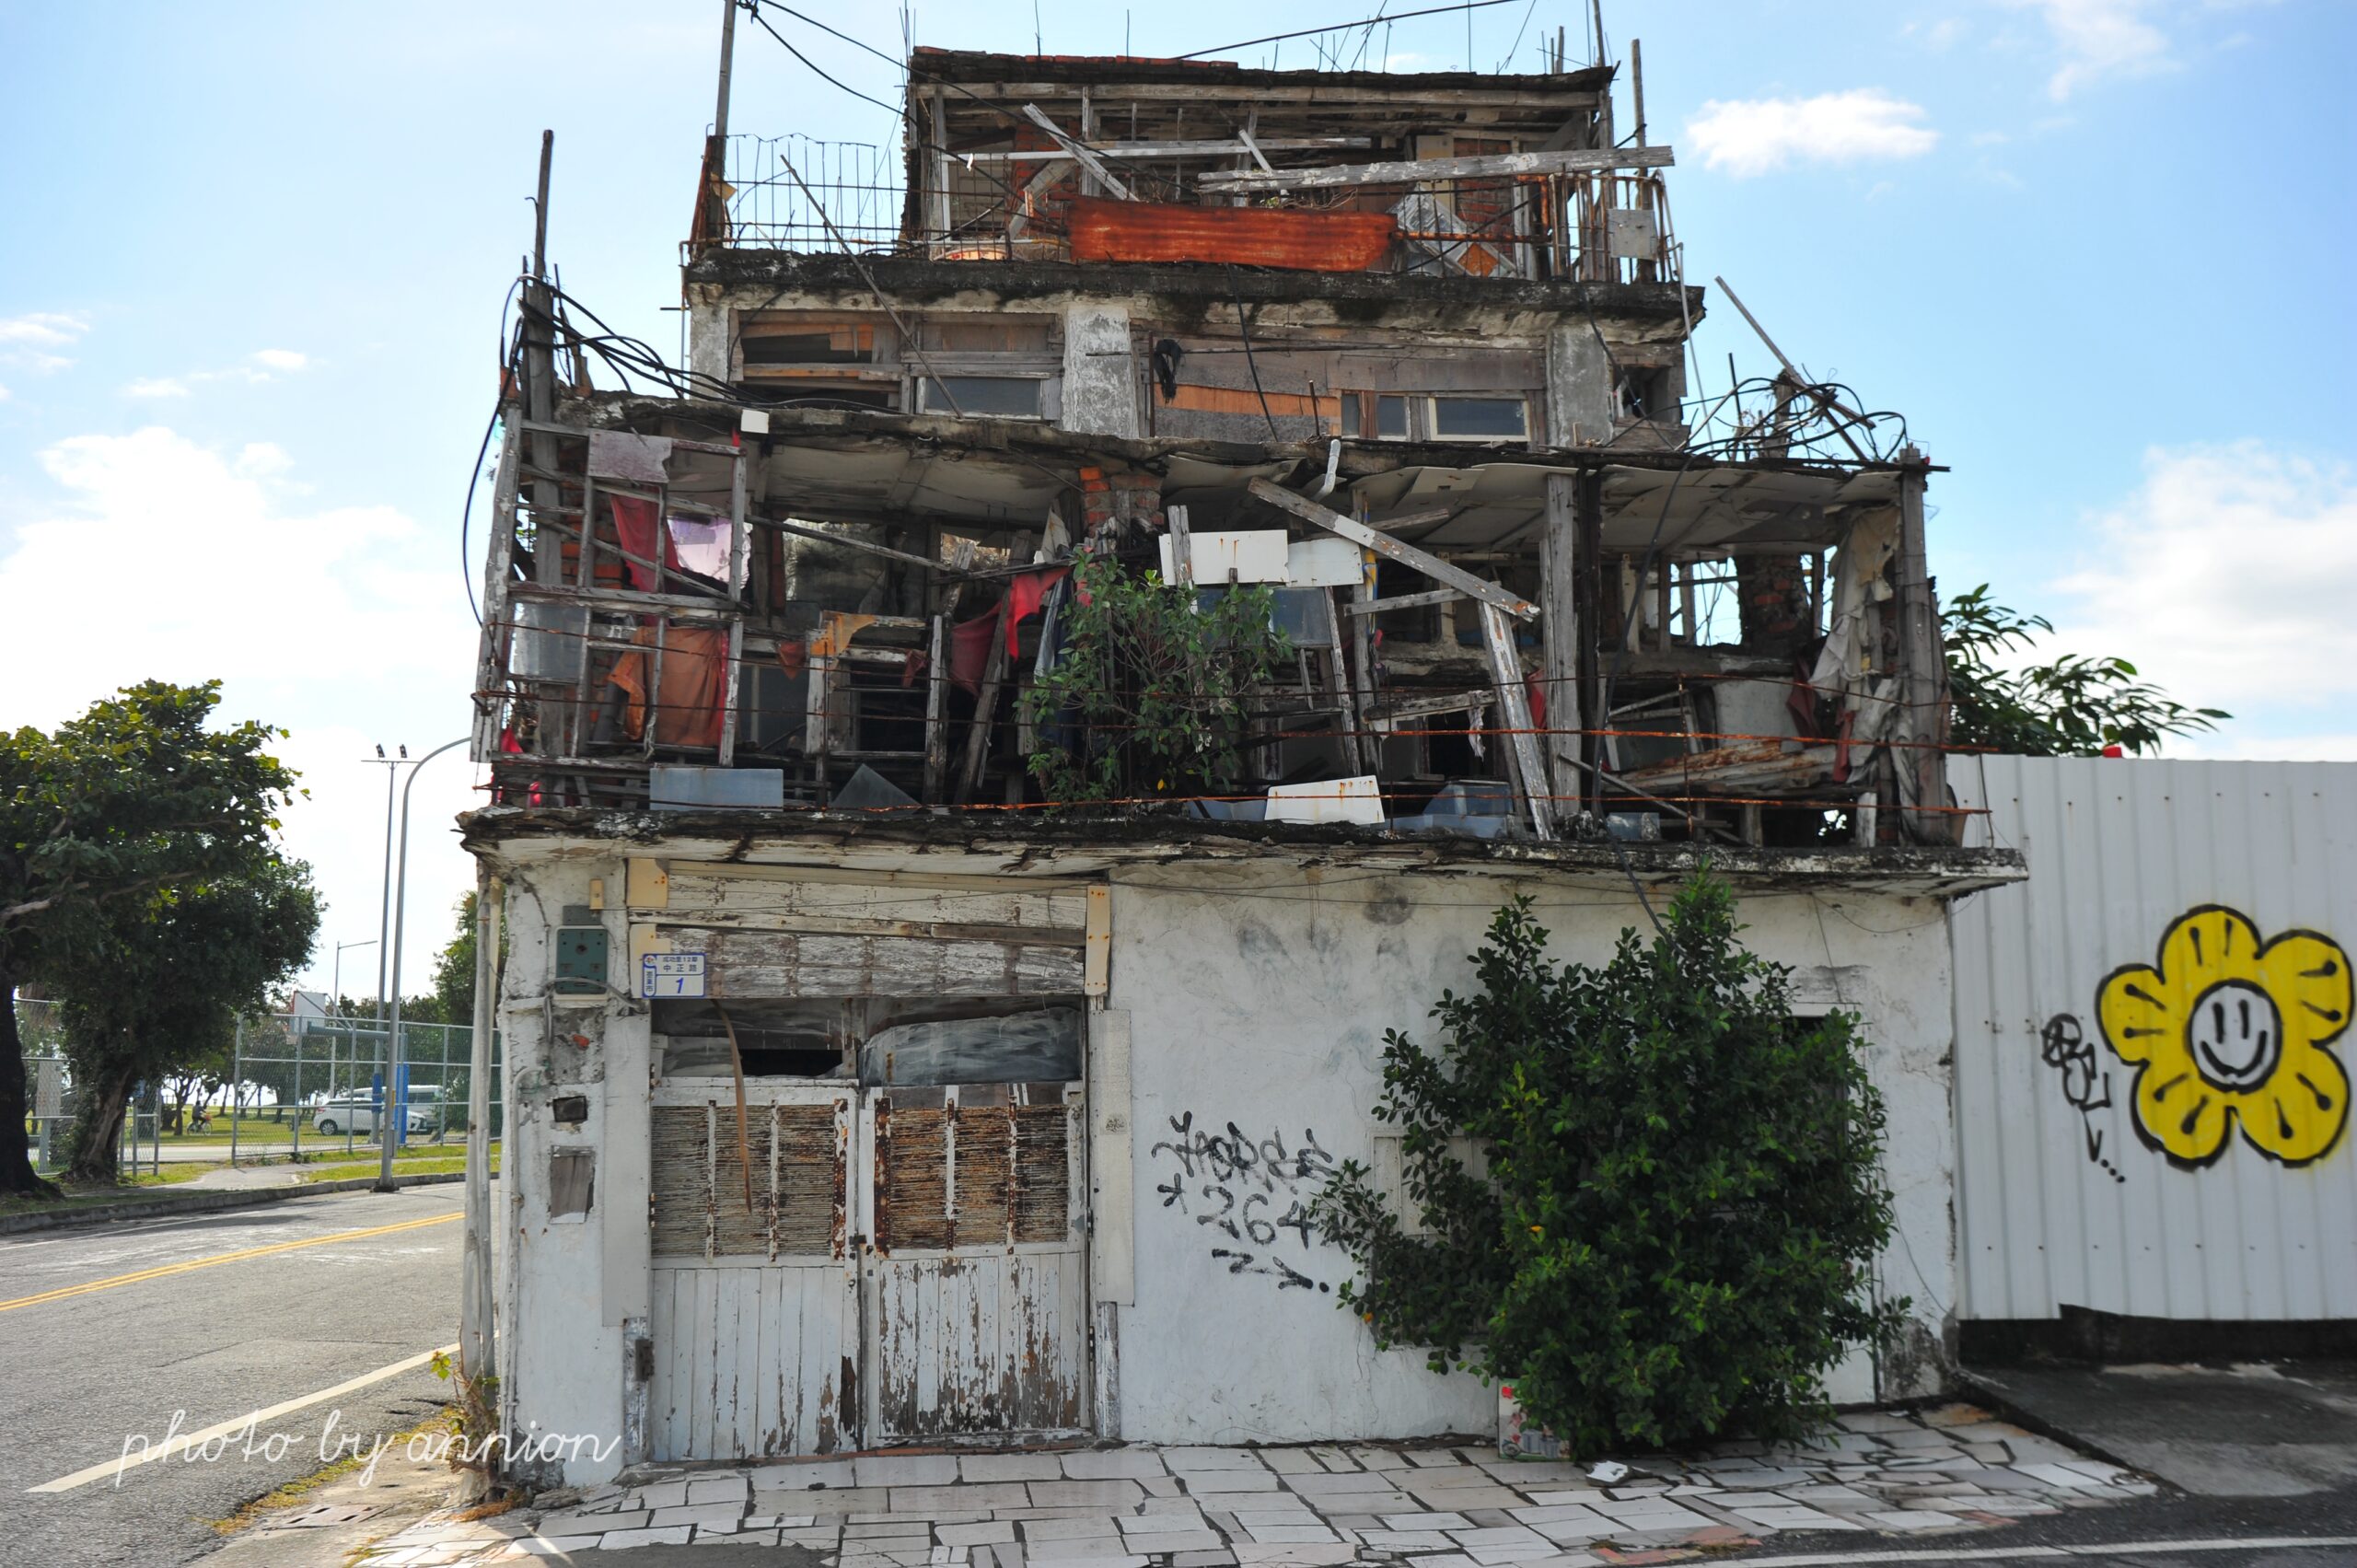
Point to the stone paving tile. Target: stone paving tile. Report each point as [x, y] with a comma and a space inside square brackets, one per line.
[982, 1534]
[1010, 1467]
[1110, 1463]
[1085, 1493]
[615, 1540]
[905, 1469]
[1308, 1506]
[1199, 1457]
[578, 1524]
[715, 1515]
[1253, 1480]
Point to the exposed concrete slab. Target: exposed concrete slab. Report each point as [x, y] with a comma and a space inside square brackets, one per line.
[2245, 1431]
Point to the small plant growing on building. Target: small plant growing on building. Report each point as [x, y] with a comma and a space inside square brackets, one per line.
[1148, 695]
[1647, 1192]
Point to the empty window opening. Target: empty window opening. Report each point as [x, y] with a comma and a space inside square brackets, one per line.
[994, 397]
[1478, 419]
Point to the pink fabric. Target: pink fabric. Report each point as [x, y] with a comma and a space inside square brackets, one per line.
[969, 651]
[639, 525]
[1024, 595]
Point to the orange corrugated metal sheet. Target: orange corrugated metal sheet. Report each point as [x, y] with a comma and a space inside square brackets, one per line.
[1253, 236]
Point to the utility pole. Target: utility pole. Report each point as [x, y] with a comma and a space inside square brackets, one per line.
[478, 1354]
[384, 896]
[727, 55]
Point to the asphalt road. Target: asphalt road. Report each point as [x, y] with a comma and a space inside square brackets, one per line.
[87, 1370]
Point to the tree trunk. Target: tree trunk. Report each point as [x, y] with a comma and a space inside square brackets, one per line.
[18, 1178]
[97, 1129]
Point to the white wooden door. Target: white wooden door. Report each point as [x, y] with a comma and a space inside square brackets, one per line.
[975, 1278]
[756, 1310]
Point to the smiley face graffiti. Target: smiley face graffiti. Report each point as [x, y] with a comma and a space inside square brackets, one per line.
[2226, 1032]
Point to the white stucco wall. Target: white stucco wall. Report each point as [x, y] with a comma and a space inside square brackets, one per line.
[1100, 373]
[1250, 999]
[568, 1283]
[1261, 1001]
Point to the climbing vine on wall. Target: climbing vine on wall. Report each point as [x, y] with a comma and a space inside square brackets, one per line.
[1647, 1192]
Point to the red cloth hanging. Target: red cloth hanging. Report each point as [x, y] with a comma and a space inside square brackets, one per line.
[1026, 594]
[969, 651]
[639, 525]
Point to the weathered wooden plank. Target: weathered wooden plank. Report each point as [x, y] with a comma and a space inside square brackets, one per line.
[780, 964]
[1521, 747]
[1489, 165]
[1559, 591]
[698, 893]
[1383, 544]
[1400, 601]
[1137, 150]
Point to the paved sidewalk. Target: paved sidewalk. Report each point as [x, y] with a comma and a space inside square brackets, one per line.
[1947, 1469]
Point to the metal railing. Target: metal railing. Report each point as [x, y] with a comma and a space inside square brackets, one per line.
[852, 197]
[294, 1085]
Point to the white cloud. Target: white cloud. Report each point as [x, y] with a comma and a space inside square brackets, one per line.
[1760, 135]
[346, 625]
[2227, 579]
[51, 328]
[263, 365]
[4, 394]
[2100, 39]
[26, 341]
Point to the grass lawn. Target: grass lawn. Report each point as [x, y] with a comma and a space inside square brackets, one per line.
[449, 1160]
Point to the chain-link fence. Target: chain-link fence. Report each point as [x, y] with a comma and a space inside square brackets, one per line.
[304, 1082]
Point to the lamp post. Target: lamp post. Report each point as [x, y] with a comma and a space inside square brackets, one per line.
[386, 1133]
[335, 987]
[385, 893]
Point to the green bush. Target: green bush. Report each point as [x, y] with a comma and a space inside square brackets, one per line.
[1152, 685]
[1648, 1193]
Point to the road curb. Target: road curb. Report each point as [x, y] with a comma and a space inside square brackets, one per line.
[209, 1203]
[2004, 1405]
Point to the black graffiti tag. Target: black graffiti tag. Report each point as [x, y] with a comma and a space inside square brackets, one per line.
[2063, 1044]
[1286, 1276]
[1238, 1183]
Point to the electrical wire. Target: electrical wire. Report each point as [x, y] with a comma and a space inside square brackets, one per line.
[1344, 26]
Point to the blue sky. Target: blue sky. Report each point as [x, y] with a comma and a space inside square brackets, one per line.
[2097, 251]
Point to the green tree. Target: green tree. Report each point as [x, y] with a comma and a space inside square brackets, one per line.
[135, 797]
[159, 983]
[453, 970]
[1648, 1192]
[2071, 706]
[1151, 686]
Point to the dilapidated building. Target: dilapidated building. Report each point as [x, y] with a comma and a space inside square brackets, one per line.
[864, 1093]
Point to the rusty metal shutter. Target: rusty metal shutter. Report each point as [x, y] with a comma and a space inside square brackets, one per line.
[954, 1176]
[795, 1156]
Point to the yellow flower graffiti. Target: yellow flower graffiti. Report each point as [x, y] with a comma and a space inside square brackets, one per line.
[2226, 1032]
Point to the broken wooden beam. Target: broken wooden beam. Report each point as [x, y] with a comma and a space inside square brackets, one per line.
[1358, 533]
[1416, 171]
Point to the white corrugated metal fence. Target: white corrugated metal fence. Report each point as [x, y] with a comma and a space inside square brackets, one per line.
[2119, 1148]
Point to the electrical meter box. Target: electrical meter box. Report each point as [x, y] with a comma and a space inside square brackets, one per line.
[580, 957]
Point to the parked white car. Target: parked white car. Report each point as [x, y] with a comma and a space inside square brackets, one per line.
[357, 1114]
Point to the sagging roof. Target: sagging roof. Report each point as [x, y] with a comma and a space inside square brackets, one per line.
[1006, 74]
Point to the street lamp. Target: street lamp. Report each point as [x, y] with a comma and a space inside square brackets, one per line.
[385, 1131]
[385, 890]
[335, 987]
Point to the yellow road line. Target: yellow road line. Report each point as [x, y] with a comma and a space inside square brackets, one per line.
[189, 1443]
[195, 1263]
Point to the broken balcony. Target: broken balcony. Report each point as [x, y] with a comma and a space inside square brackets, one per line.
[704, 605]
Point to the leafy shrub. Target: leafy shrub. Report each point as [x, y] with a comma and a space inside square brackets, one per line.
[1148, 695]
[1648, 1193]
